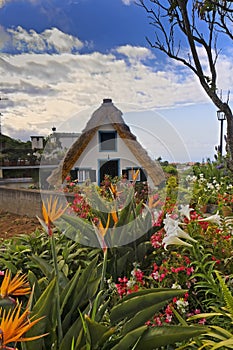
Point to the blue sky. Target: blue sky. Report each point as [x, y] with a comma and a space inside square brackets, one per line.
[59, 59]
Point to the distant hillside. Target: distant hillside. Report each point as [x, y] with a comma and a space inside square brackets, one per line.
[14, 149]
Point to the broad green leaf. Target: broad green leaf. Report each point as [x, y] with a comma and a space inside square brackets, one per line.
[74, 332]
[42, 264]
[131, 339]
[156, 337]
[34, 282]
[68, 290]
[129, 307]
[81, 290]
[44, 307]
[142, 317]
[97, 332]
[48, 269]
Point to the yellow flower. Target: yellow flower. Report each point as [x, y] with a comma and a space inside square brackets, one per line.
[51, 211]
[14, 325]
[17, 286]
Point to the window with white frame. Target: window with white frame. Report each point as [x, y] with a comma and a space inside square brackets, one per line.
[83, 175]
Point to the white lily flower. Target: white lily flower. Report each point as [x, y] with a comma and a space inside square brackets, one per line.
[182, 234]
[215, 219]
[174, 233]
[168, 240]
[185, 211]
[170, 224]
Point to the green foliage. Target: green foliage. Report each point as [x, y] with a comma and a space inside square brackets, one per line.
[127, 329]
[218, 337]
[16, 253]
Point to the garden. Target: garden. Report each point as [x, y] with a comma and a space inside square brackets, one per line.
[125, 266]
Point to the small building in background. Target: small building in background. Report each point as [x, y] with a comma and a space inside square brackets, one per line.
[63, 139]
[37, 142]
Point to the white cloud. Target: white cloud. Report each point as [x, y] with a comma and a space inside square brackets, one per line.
[2, 2]
[51, 40]
[46, 90]
[135, 52]
[127, 2]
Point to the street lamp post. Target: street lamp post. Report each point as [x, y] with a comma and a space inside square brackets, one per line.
[221, 117]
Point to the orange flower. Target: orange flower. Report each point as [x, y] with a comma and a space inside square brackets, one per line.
[103, 230]
[135, 174]
[51, 212]
[13, 326]
[17, 286]
[115, 217]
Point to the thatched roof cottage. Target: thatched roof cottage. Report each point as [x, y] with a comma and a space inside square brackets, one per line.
[107, 147]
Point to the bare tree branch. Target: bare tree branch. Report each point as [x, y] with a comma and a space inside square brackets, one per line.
[198, 23]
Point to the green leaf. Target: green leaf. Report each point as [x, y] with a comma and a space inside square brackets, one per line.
[228, 343]
[226, 293]
[48, 269]
[34, 283]
[142, 317]
[156, 337]
[85, 286]
[129, 307]
[75, 331]
[79, 230]
[44, 307]
[9, 265]
[98, 333]
[68, 290]
[45, 267]
[131, 339]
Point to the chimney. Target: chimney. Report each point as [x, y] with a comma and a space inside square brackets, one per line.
[107, 100]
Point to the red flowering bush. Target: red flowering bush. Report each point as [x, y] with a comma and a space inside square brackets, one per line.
[132, 284]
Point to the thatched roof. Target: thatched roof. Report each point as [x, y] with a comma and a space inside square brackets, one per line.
[106, 113]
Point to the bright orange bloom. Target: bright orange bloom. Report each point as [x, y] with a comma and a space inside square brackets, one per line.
[115, 217]
[14, 325]
[103, 230]
[17, 286]
[135, 174]
[51, 212]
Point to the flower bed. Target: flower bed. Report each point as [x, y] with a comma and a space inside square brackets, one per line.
[170, 286]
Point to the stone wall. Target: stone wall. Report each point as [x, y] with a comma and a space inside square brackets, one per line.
[24, 201]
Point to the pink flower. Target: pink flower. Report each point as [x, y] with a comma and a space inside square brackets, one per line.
[202, 321]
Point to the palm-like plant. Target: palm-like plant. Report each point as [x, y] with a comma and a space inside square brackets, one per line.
[219, 337]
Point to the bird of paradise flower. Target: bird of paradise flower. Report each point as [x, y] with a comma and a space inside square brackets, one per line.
[51, 211]
[18, 285]
[101, 232]
[14, 324]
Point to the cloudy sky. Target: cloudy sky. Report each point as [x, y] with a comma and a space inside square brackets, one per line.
[60, 58]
